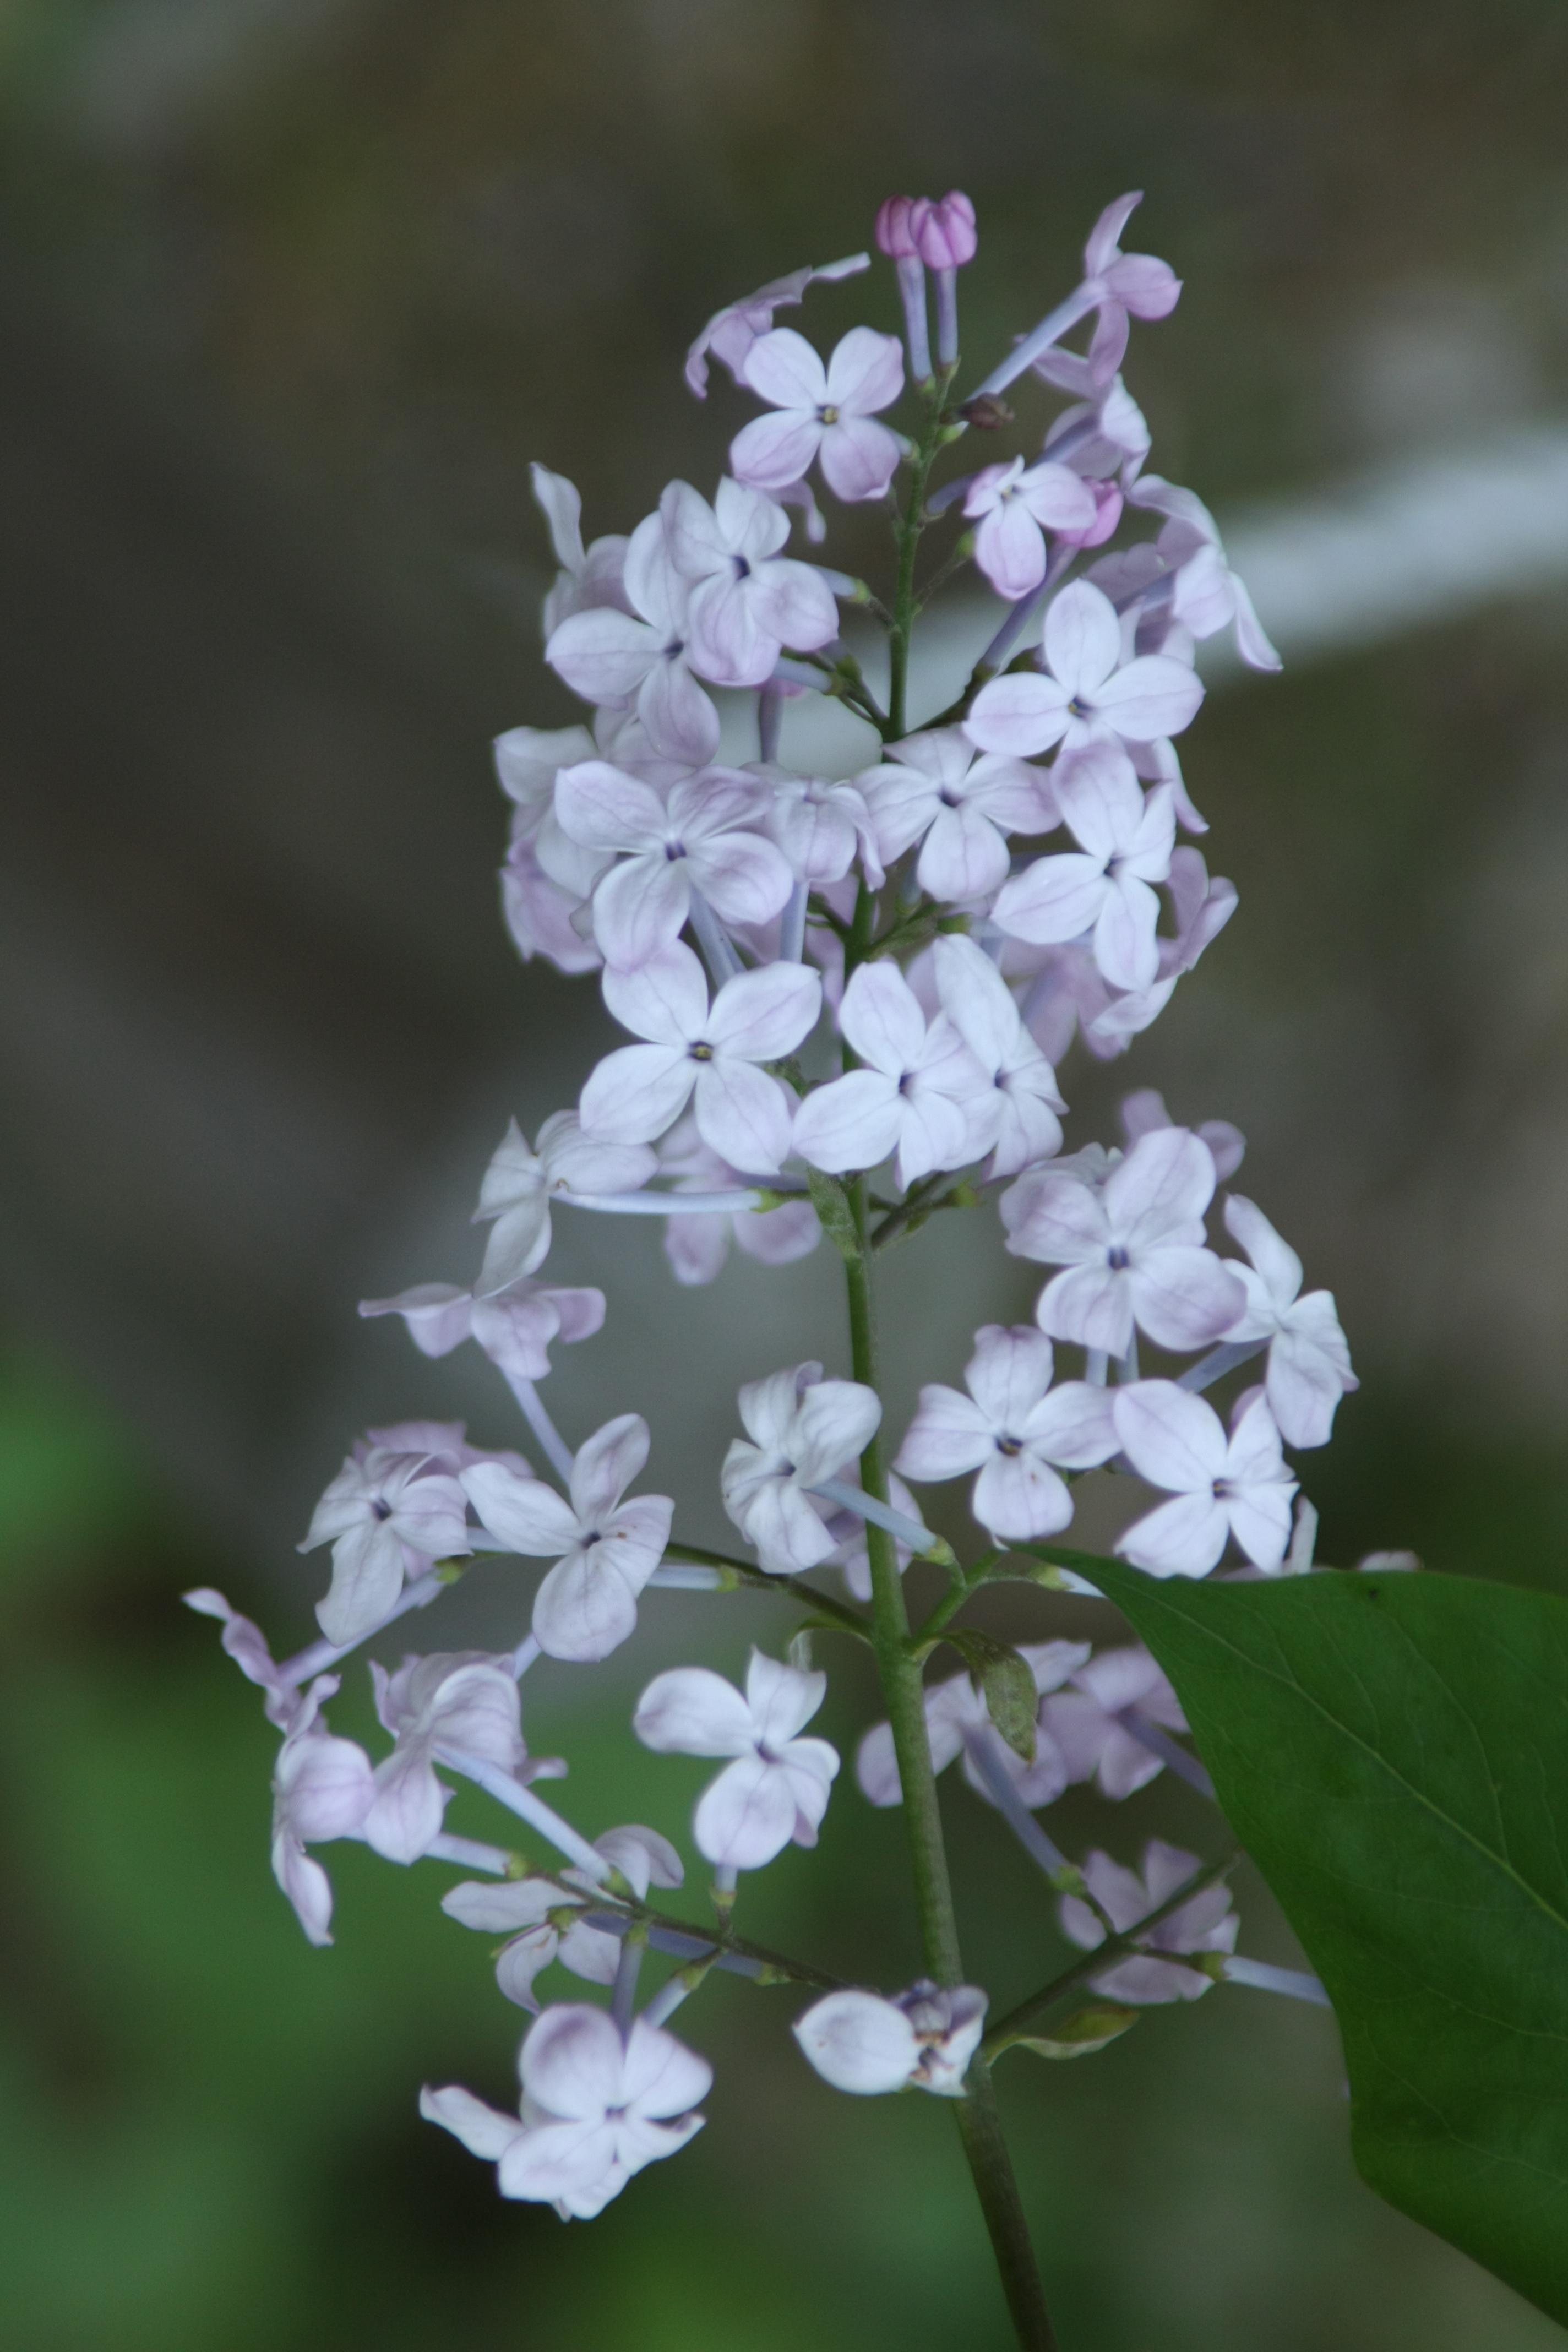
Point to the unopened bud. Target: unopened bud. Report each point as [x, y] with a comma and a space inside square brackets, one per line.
[986, 413]
[894, 234]
[943, 230]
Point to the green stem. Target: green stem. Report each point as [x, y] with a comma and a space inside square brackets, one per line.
[910, 524]
[756, 1580]
[979, 2124]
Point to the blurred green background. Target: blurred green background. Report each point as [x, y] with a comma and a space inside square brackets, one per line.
[293, 291]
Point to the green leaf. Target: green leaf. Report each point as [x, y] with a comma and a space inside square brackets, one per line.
[1082, 2033]
[1393, 1751]
[1011, 1699]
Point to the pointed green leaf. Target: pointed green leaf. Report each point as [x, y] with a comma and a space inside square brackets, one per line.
[1011, 1699]
[1393, 1751]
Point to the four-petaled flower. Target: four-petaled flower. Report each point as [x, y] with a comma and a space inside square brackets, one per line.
[960, 806]
[1085, 688]
[748, 601]
[821, 413]
[519, 1185]
[641, 659]
[387, 1516]
[919, 1092]
[803, 1428]
[706, 1055]
[515, 1327]
[860, 2043]
[1220, 1487]
[1206, 1924]
[535, 1915]
[1016, 505]
[982, 1008]
[604, 1550]
[595, 2108]
[1088, 1719]
[1132, 1249]
[321, 1787]
[464, 1700]
[1104, 889]
[1015, 1429]
[697, 1246]
[703, 833]
[1309, 1362]
[776, 1788]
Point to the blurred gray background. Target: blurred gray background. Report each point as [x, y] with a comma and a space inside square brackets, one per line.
[293, 291]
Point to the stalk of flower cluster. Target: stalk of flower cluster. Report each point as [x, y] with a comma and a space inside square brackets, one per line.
[899, 1669]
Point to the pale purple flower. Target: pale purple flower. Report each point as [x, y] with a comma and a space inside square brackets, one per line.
[957, 1716]
[697, 1246]
[1309, 1362]
[1220, 1486]
[730, 332]
[588, 578]
[1015, 1429]
[1016, 505]
[1084, 1719]
[595, 2108]
[1132, 283]
[704, 833]
[820, 413]
[519, 1910]
[894, 232]
[857, 2042]
[707, 1055]
[895, 237]
[321, 1787]
[748, 601]
[518, 1186]
[1202, 909]
[641, 659]
[1143, 1113]
[1132, 1251]
[982, 1008]
[1206, 595]
[540, 914]
[514, 1327]
[462, 1699]
[388, 1516]
[1206, 1924]
[919, 1094]
[821, 826]
[1087, 690]
[801, 1430]
[247, 1644]
[604, 1550]
[961, 805]
[1105, 888]
[776, 1787]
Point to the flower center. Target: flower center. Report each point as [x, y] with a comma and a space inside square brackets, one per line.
[1010, 1446]
[1079, 709]
[379, 1509]
[827, 415]
[699, 1052]
[1117, 1259]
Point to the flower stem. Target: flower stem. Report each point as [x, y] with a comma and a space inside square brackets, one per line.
[910, 524]
[979, 2124]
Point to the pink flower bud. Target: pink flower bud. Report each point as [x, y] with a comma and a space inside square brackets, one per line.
[943, 230]
[893, 233]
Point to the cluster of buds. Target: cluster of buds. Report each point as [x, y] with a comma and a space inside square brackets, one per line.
[846, 999]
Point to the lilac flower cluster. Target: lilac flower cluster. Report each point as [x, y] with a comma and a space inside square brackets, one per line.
[846, 1000]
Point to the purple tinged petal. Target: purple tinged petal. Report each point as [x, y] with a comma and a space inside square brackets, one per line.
[1184, 1297]
[639, 908]
[681, 721]
[964, 856]
[1171, 1437]
[783, 369]
[605, 808]
[484, 2131]
[881, 1018]
[1010, 550]
[606, 1465]
[773, 452]
[782, 1699]
[742, 1114]
[1018, 1497]
[367, 1577]
[859, 2043]
[1160, 1191]
[746, 1816]
[1053, 900]
[852, 1122]
[635, 1094]
[859, 458]
[865, 373]
[744, 876]
[692, 1711]
[603, 655]
[1082, 641]
[834, 1421]
[1183, 1538]
[1090, 1303]
[523, 1513]
[763, 1014]
[1154, 696]
[1019, 714]
[1125, 946]
[949, 1437]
